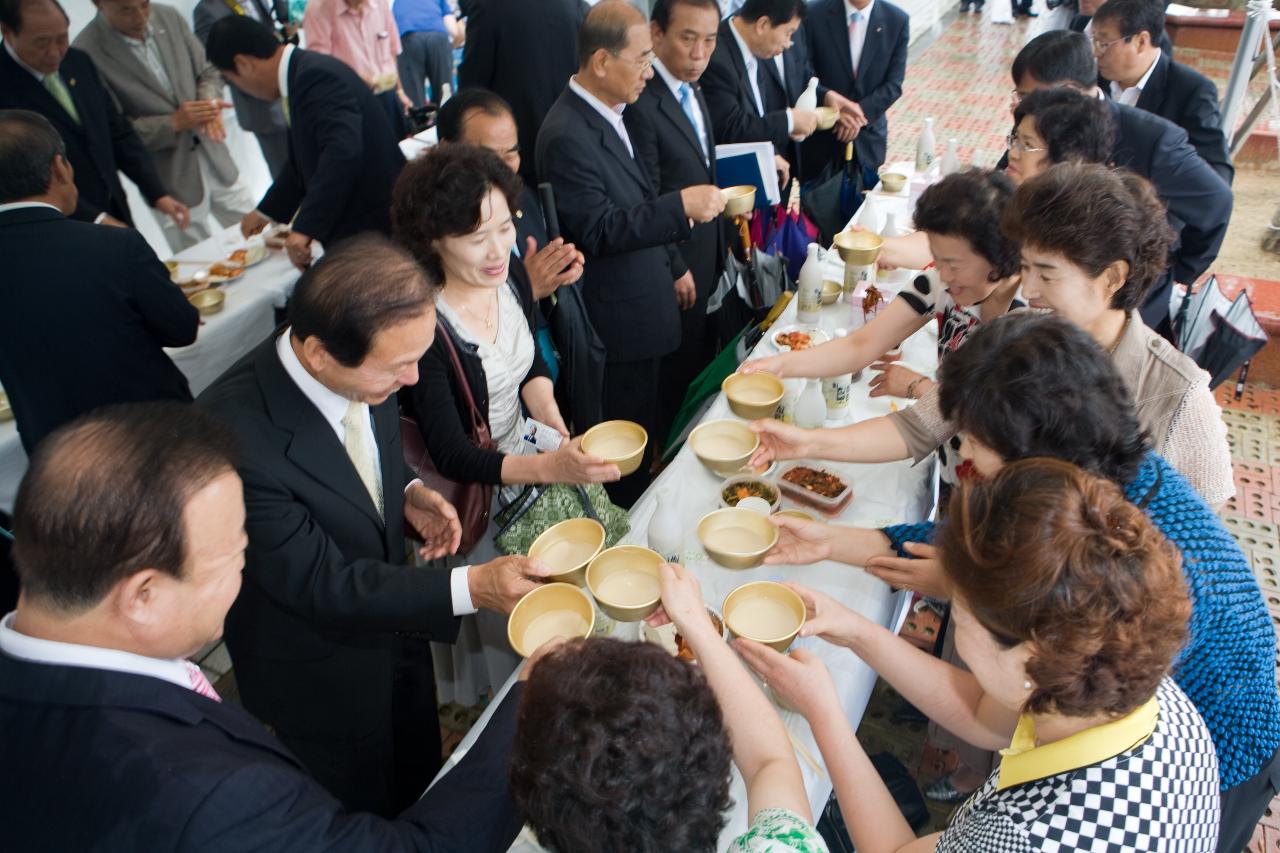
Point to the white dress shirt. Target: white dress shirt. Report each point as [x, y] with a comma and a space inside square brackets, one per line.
[39, 75]
[613, 115]
[674, 84]
[282, 73]
[858, 37]
[36, 650]
[1129, 97]
[18, 205]
[753, 64]
[333, 407]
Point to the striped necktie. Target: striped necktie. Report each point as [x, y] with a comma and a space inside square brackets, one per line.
[200, 684]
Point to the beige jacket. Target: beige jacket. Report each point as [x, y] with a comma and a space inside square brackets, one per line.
[1173, 403]
[147, 104]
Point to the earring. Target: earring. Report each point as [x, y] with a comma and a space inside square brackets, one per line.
[1026, 685]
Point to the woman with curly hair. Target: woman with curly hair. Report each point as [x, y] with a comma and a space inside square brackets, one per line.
[1036, 385]
[452, 208]
[1093, 241]
[1069, 608]
[621, 747]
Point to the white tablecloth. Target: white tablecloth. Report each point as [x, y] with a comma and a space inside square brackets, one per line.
[247, 317]
[883, 494]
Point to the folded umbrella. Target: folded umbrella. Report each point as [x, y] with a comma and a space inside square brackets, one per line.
[1220, 334]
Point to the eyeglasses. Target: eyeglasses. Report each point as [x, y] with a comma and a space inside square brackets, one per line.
[1016, 144]
[643, 63]
[1101, 47]
[1016, 97]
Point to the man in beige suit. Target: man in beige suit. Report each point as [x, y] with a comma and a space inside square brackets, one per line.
[157, 69]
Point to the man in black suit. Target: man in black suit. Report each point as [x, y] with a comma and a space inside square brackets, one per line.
[1198, 200]
[130, 545]
[1081, 23]
[343, 155]
[330, 634]
[608, 206]
[526, 52]
[671, 128]
[85, 311]
[1139, 75]
[40, 72]
[877, 33]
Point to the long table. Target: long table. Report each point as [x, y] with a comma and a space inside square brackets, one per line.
[247, 317]
[883, 494]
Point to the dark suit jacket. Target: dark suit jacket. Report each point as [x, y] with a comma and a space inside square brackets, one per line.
[875, 87]
[608, 207]
[325, 580]
[728, 94]
[668, 146]
[109, 761]
[103, 142]
[526, 52]
[1079, 22]
[1199, 201]
[84, 313]
[343, 156]
[1190, 100]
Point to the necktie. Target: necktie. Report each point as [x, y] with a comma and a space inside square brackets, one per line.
[753, 79]
[284, 108]
[854, 48]
[356, 439]
[58, 89]
[200, 684]
[689, 105]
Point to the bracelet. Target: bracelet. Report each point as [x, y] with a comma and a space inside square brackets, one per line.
[911, 389]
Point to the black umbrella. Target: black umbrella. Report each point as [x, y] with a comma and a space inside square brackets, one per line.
[831, 199]
[1219, 333]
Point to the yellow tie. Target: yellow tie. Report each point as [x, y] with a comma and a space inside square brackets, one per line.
[58, 89]
[284, 107]
[355, 437]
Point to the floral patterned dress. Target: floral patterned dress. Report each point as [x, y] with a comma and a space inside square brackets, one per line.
[779, 831]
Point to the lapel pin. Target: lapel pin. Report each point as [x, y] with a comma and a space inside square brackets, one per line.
[519, 214]
[71, 82]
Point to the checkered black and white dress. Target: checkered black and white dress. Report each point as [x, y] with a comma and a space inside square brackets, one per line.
[1160, 796]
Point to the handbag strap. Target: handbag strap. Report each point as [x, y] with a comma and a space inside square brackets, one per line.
[516, 510]
[587, 508]
[479, 427]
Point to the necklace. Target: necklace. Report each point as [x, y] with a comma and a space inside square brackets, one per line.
[487, 319]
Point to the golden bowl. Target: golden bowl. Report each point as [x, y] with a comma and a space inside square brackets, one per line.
[827, 117]
[831, 292]
[858, 248]
[892, 182]
[753, 395]
[568, 547]
[737, 538]
[172, 267]
[619, 442]
[6, 408]
[739, 200]
[723, 446]
[796, 513]
[552, 610]
[765, 611]
[624, 581]
[208, 301]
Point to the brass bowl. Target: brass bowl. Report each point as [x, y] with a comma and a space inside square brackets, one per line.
[626, 599]
[208, 301]
[753, 395]
[765, 611]
[737, 538]
[858, 248]
[831, 292]
[552, 610]
[827, 117]
[892, 182]
[619, 442]
[739, 200]
[6, 408]
[172, 267]
[723, 446]
[568, 547]
[796, 513]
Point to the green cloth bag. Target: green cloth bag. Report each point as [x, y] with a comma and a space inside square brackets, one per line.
[539, 507]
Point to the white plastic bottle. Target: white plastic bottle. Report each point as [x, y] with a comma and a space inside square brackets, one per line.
[809, 288]
[893, 229]
[835, 391]
[951, 160]
[808, 99]
[786, 411]
[666, 530]
[811, 408]
[926, 148]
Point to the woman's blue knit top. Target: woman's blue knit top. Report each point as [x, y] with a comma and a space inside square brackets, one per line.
[1228, 667]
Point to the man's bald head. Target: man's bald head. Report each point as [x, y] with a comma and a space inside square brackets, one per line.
[606, 28]
[104, 499]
